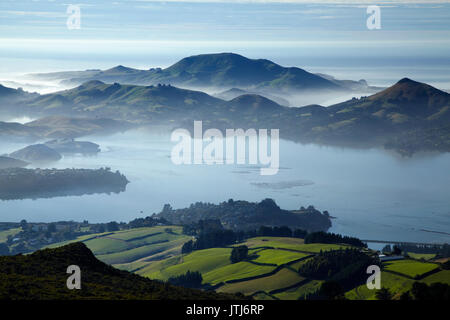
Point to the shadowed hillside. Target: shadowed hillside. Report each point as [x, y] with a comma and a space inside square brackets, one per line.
[409, 116]
[42, 275]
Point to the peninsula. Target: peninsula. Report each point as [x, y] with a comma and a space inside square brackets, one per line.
[20, 183]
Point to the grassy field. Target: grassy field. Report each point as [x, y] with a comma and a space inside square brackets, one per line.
[300, 291]
[277, 256]
[10, 232]
[275, 242]
[409, 268]
[262, 296]
[282, 279]
[291, 243]
[397, 284]
[441, 276]
[235, 271]
[156, 253]
[296, 266]
[426, 256]
[131, 249]
[202, 261]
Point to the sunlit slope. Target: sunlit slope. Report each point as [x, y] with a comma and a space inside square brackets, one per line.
[269, 272]
[125, 249]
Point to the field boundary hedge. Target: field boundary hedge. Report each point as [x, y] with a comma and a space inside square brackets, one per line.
[143, 237]
[298, 284]
[418, 277]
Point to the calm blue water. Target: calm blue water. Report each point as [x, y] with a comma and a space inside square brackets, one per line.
[373, 194]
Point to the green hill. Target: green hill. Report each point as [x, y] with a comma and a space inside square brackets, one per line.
[133, 249]
[122, 101]
[42, 275]
[408, 117]
[404, 102]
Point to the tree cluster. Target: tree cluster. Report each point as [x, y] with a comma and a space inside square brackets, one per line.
[239, 254]
[187, 280]
[326, 237]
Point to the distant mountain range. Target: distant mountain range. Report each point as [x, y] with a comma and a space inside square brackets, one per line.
[222, 71]
[408, 116]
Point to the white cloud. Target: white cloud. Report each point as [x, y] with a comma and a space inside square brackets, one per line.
[46, 14]
[310, 1]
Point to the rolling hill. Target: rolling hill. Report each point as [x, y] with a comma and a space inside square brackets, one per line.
[271, 270]
[42, 275]
[118, 101]
[405, 101]
[409, 116]
[232, 93]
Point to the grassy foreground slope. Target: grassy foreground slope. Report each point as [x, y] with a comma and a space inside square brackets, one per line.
[132, 249]
[42, 275]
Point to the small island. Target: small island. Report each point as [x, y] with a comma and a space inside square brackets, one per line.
[71, 146]
[21, 183]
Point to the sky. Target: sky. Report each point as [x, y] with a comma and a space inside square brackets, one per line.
[319, 35]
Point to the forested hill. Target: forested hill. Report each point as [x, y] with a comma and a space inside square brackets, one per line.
[244, 215]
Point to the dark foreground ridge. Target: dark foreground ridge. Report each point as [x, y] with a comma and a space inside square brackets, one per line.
[42, 276]
[20, 183]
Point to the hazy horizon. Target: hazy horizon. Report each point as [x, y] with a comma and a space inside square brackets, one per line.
[414, 39]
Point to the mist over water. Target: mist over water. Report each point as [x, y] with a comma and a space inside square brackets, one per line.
[372, 193]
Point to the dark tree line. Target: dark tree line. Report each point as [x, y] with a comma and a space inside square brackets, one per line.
[326, 237]
[239, 254]
[422, 291]
[210, 234]
[341, 270]
[344, 266]
[442, 251]
[187, 280]
[146, 222]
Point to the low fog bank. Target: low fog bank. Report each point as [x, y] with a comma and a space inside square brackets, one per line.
[32, 85]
